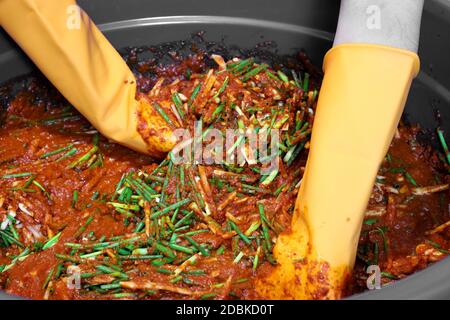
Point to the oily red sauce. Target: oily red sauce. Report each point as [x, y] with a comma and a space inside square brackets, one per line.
[80, 193]
[409, 230]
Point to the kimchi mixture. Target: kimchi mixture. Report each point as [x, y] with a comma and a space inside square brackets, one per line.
[84, 218]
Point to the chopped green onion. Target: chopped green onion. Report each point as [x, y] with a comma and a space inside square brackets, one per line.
[50, 243]
[282, 76]
[163, 113]
[444, 144]
[178, 104]
[194, 93]
[306, 82]
[239, 232]
[83, 158]
[51, 153]
[170, 208]
[74, 198]
[238, 257]
[16, 175]
[270, 177]
[68, 154]
[264, 226]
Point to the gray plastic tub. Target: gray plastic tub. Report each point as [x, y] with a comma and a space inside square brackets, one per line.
[293, 25]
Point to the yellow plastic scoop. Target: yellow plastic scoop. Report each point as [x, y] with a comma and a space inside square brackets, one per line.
[75, 56]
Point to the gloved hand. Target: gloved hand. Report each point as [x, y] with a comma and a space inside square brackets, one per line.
[75, 56]
[368, 75]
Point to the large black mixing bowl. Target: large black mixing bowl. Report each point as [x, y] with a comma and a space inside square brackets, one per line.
[293, 25]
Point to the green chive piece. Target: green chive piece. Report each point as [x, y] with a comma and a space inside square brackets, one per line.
[59, 270]
[91, 254]
[253, 72]
[279, 189]
[389, 275]
[177, 247]
[37, 184]
[295, 153]
[163, 114]
[184, 219]
[208, 296]
[410, 179]
[194, 232]
[197, 246]
[370, 222]
[255, 261]
[240, 66]
[271, 75]
[95, 139]
[83, 227]
[238, 257]
[67, 258]
[383, 235]
[289, 154]
[178, 104]
[139, 227]
[252, 228]
[143, 257]
[264, 226]
[444, 144]
[49, 277]
[16, 175]
[270, 177]
[111, 286]
[282, 76]
[239, 232]
[222, 88]
[11, 238]
[162, 270]
[51, 242]
[165, 251]
[84, 158]
[68, 154]
[194, 93]
[13, 229]
[297, 81]
[306, 82]
[170, 208]
[52, 153]
[133, 207]
[74, 199]
[218, 110]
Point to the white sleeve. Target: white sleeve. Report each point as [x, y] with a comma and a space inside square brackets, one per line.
[394, 23]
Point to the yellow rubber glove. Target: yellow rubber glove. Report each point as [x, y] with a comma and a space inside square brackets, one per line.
[80, 62]
[361, 101]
